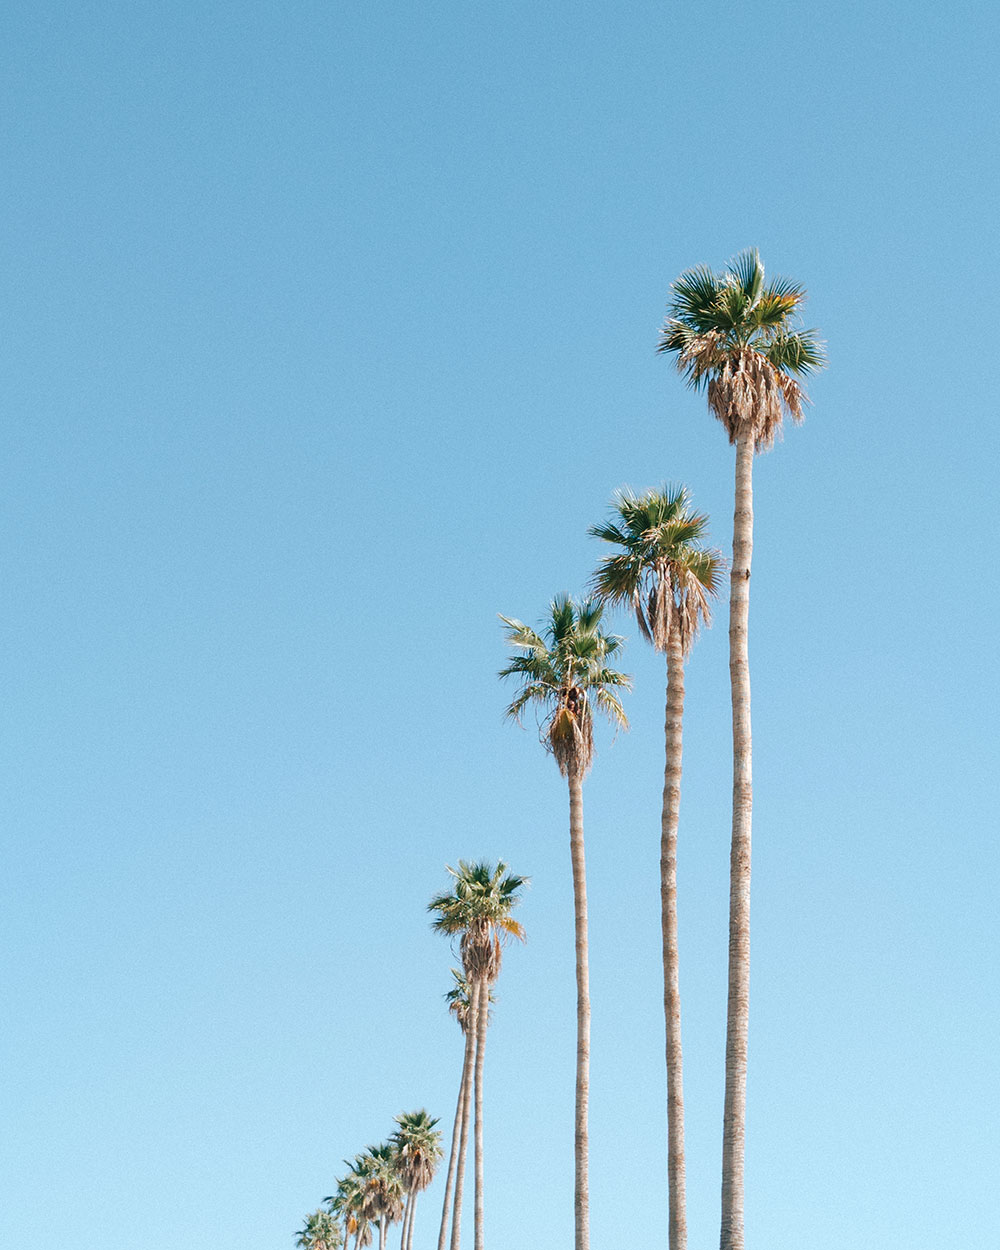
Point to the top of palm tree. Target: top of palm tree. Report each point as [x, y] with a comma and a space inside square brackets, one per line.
[478, 909]
[418, 1148]
[320, 1232]
[663, 571]
[564, 672]
[736, 335]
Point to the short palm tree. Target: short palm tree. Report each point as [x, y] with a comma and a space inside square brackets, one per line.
[418, 1152]
[564, 673]
[734, 335]
[478, 911]
[459, 1000]
[667, 576]
[320, 1232]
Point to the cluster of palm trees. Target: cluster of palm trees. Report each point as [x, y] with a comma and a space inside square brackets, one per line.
[734, 336]
[380, 1189]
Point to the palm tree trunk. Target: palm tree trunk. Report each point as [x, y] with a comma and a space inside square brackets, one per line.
[453, 1157]
[466, 1105]
[413, 1215]
[406, 1220]
[383, 1229]
[581, 1205]
[482, 1020]
[738, 1012]
[673, 731]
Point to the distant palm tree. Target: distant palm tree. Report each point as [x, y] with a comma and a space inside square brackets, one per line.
[665, 574]
[418, 1152]
[478, 912]
[350, 1204]
[564, 674]
[320, 1232]
[459, 1000]
[735, 336]
[383, 1189]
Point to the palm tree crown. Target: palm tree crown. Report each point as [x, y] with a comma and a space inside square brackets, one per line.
[564, 672]
[319, 1233]
[418, 1148]
[478, 909]
[736, 336]
[663, 571]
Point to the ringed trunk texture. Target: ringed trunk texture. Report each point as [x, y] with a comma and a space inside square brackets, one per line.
[466, 1105]
[453, 1157]
[673, 737]
[582, 1188]
[738, 1012]
[482, 1020]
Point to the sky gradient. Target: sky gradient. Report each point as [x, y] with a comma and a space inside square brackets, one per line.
[329, 331]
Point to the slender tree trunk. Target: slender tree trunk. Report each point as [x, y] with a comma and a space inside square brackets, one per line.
[383, 1229]
[582, 1190]
[466, 1104]
[408, 1236]
[406, 1220]
[734, 1117]
[673, 736]
[482, 1021]
[453, 1157]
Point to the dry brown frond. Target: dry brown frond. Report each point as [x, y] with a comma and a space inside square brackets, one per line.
[570, 733]
[745, 391]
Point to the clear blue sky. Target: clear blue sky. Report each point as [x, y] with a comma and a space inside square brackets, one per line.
[329, 329]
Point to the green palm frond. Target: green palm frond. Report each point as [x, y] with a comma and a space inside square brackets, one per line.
[561, 676]
[664, 573]
[478, 911]
[736, 337]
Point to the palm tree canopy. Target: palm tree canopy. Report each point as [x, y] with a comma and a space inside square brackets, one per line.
[418, 1149]
[663, 571]
[478, 909]
[736, 334]
[565, 674]
[319, 1233]
[459, 999]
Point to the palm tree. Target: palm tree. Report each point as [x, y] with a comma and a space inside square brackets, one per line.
[459, 1000]
[735, 337]
[350, 1203]
[418, 1152]
[667, 576]
[383, 1189]
[564, 674]
[320, 1232]
[478, 912]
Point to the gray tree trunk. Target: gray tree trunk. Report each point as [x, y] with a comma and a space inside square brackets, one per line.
[470, 1042]
[482, 1021]
[453, 1157]
[581, 1151]
[413, 1215]
[383, 1230]
[406, 1221]
[673, 737]
[738, 1012]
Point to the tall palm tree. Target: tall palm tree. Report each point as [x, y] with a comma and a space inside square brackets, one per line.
[459, 1000]
[478, 911]
[418, 1152]
[319, 1233]
[564, 674]
[666, 575]
[735, 336]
